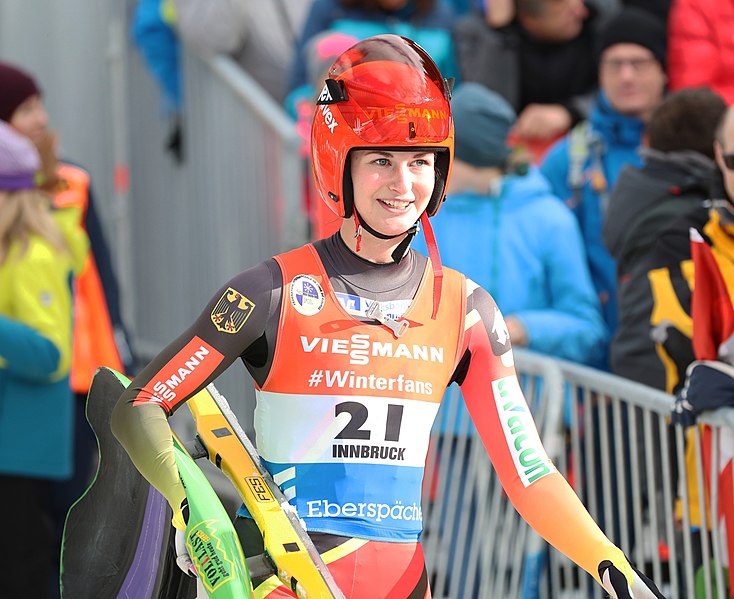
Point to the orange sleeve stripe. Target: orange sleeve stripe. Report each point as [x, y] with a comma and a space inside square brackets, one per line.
[181, 376]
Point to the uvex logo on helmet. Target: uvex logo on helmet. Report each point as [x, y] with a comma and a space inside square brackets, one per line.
[324, 100]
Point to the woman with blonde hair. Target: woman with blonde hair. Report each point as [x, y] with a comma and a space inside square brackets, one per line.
[40, 251]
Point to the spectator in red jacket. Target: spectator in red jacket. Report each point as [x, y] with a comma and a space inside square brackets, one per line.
[701, 45]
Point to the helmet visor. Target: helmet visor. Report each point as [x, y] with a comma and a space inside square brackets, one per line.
[395, 93]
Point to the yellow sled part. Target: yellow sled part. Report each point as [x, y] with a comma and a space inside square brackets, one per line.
[296, 559]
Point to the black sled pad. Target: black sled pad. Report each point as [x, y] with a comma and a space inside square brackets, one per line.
[118, 537]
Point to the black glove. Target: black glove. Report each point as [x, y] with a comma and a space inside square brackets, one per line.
[618, 586]
[709, 385]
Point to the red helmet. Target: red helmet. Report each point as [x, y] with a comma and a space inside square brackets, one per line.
[386, 92]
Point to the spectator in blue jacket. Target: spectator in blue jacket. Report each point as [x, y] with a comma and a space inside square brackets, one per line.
[583, 166]
[427, 22]
[519, 241]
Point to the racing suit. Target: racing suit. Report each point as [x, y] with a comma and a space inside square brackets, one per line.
[345, 407]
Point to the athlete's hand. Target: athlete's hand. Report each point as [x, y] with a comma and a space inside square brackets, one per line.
[183, 559]
[619, 586]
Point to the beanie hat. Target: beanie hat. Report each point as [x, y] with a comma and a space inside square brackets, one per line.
[482, 121]
[19, 160]
[633, 25]
[15, 88]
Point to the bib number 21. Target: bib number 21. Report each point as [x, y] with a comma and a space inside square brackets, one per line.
[358, 416]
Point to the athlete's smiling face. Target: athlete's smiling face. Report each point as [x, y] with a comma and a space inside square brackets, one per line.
[392, 188]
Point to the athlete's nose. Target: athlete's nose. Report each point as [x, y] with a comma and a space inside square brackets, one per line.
[402, 180]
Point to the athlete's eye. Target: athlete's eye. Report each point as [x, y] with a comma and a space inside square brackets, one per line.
[381, 161]
[428, 161]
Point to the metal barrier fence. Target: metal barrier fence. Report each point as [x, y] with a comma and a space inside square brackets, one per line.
[234, 201]
[610, 438]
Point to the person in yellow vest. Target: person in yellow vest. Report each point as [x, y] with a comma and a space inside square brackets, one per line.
[352, 341]
[718, 232]
[708, 383]
[40, 252]
[99, 337]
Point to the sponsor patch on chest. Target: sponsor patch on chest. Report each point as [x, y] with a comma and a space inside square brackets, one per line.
[360, 348]
[306, 295]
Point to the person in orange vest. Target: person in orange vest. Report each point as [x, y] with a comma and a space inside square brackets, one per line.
[99, 338]
[352, 341]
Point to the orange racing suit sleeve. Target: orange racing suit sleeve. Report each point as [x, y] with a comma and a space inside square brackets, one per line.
[501, 416]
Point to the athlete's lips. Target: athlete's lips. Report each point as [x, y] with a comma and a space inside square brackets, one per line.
[396, 204]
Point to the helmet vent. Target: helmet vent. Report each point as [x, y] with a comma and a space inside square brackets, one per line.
[411, 130]
[333, 196]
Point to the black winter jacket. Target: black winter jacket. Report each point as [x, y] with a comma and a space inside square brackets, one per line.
[646, 230]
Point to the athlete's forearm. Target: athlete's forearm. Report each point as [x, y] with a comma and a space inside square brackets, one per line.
[539, 493]
[556, 513]
[144, 432]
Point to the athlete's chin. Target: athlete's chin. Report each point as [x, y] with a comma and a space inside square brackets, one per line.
[398, 226]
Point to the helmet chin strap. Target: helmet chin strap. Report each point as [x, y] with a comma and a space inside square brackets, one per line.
[435, 262]
[399, 251]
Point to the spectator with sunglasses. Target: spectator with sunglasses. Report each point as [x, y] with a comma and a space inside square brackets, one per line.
[716, 226]
[709, 383]
[651, 210]
[705, 389]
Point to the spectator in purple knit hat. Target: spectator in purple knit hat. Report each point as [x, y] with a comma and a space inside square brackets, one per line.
[19, 161]
[39, 252]
[99, 335]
